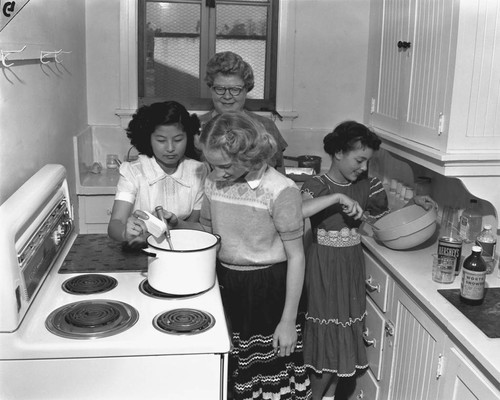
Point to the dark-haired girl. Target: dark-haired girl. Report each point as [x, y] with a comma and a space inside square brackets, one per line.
[164, 174]
[335, 269]
[335, 272]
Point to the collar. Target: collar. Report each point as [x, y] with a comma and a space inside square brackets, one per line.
[154, 173]
[254, 178]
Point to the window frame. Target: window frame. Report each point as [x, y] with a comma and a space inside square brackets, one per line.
[207, 49]
[127, 102]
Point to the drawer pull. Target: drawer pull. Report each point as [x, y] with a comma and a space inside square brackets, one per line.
[369, 342]
[370, 286]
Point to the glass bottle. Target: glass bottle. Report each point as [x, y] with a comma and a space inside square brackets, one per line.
[487, 240]
[450, 242]
[473, 278]
[470, 222]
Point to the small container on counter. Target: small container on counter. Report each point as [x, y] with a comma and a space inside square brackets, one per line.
[472, 288]
[450, 242]
[443, 269]
[487, 240]
[112, 161]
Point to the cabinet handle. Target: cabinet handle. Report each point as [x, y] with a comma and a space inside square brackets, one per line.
[371, 287]
[369, 342]
[404, 45]
[389, 329]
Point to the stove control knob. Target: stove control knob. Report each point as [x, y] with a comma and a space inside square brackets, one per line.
[56, 236]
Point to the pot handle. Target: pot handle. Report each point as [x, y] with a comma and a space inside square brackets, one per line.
[148, 253]
[218, 241]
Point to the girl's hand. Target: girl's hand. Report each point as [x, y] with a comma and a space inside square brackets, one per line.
[425, 201]
[349, 206]
[135, 229]
[170, 218]
[285, 338]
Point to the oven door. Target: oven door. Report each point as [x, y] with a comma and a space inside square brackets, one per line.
[186, 377]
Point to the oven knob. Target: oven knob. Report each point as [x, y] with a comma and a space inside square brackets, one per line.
[56, 236]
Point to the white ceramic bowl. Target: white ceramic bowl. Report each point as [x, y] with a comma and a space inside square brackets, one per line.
[406, 228]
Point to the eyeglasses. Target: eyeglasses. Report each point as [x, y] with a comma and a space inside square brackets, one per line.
[221, 90]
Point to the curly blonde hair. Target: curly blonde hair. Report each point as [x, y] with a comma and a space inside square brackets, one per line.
[243, 139]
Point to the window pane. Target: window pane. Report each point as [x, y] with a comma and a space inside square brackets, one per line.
[243, 30]
[173, 50]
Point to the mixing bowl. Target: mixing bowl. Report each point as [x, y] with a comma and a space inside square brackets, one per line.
[406, 228]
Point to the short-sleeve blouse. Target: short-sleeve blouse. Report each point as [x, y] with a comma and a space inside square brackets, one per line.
[144, 184]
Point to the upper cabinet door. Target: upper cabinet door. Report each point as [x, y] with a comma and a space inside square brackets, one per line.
[388, 100]
[413, 74]
[430, 74]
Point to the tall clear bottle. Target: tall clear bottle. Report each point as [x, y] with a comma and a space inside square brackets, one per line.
[473, 278]
[487, 240]
[470, 222]
[450, 242]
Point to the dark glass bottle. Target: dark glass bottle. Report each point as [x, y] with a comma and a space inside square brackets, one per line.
[473, 278]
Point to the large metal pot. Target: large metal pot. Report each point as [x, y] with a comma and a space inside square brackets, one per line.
[307, 161]
[187, 269]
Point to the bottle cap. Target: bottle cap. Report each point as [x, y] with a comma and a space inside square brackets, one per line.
[477, 249]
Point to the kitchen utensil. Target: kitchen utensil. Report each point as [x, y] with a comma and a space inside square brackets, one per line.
[307, 161]
[159, 212]
[367, 220]
[188, 269]
[406, 228]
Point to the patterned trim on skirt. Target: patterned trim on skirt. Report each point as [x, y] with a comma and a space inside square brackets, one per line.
[254, 301]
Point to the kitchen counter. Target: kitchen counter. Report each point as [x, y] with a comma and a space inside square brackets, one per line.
[103, 183]
[412, 269]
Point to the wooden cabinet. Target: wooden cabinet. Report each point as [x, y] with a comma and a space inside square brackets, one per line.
[418, 351]
[433, 74]
[410, 356]
[94, 213]
[378, 334]
[463, 381]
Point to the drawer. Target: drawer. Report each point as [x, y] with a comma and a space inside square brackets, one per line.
[97, 209]
[373, 336]
[367, 387]
[377, 282]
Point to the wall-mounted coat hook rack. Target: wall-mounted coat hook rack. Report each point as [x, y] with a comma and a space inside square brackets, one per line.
[52, 54]
[5, 54]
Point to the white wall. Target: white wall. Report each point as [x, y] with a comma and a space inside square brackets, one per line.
[42, 106]
[330, 68]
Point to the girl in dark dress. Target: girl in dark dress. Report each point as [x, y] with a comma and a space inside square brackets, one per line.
[335, 270]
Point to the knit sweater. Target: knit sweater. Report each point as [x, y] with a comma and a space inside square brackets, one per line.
[253, 216]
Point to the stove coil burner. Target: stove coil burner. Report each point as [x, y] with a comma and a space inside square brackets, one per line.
[89, 284]
[184, 321]
[91, 319]
[150, 291]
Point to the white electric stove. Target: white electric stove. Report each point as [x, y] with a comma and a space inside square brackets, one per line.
[99, 335]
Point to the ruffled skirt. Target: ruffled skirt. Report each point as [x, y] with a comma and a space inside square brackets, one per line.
[254, 301]
[336, 310]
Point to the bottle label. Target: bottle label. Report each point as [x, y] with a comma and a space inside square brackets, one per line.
[447, 247]
[472, 286]
[488, 249]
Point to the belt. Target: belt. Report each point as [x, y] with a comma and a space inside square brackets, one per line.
[344, 238]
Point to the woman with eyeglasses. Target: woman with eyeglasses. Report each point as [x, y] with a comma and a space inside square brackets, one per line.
[230, 79]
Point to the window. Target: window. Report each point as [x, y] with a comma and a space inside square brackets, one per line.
[177, 37]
